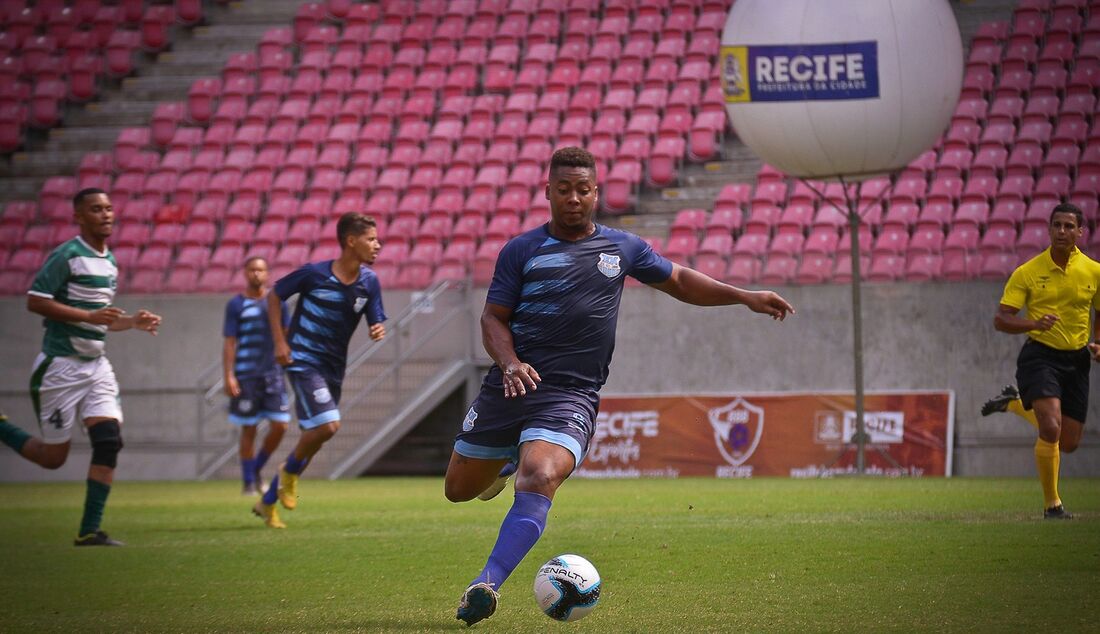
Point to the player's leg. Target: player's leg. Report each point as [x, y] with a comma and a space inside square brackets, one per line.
[106, 438]
[1047, 454]
[1009, 401]
[274, 436]
[468, 477]
[249, 486]
[56, 387]
[1075, 403]
[244, 412]
[543, 466]
[47, 456]
[276, 410]
[319, 417]
[103, 420]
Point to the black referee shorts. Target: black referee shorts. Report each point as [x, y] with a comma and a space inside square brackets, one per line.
[1042, 372]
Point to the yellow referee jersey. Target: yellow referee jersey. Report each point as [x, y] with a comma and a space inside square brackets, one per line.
[1045, 288]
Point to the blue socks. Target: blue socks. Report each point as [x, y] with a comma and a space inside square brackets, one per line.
[293, 465]
[521, 528]
[260, 460]
[248, 470]
[272, 491]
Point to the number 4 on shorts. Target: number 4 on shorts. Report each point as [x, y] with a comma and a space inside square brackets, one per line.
[55, 420]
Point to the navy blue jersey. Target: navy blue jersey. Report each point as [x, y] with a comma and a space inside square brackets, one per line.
[327, 314]
[565, 297]
[246, 320]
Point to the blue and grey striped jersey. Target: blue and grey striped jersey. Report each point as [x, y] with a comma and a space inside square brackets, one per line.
[246, 320]
[327, 314]
[565, 298]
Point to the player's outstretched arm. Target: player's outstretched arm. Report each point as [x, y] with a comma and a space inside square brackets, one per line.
[692, 287]
[497, 338]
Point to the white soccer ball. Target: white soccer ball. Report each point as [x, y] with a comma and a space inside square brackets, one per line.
[567, 587]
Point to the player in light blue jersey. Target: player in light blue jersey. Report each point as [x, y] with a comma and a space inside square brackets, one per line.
[253, 381]
[332, 297]
[72, 379]
[549, 326]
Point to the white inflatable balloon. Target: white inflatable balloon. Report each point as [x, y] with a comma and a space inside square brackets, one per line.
[853, 88]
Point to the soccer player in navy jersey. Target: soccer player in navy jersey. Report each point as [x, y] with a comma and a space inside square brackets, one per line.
[332, 296]
[549, 326]
[253, 381]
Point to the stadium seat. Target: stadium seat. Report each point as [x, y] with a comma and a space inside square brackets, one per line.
[780, 268]
[885, 268]
[997, 266]
[815, 268]
[924, 267]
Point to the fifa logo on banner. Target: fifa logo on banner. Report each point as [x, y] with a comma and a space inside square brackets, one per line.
[800, 72]
[737, 427]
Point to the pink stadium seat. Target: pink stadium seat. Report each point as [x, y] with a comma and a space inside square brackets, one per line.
[997, 266]
[154, 27]
[998, 239]
[892, 241]
[842, 273]
[742, 271]
[779, 269]
[925, 267]
[815, 268]
[886, 268]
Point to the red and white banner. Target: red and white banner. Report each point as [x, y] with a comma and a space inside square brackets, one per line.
[788, 435]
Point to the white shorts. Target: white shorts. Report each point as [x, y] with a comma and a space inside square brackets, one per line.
[67, 389]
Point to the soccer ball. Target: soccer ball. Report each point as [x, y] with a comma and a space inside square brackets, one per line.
[567, 587]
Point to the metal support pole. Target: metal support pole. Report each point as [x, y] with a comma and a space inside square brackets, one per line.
[857, 331]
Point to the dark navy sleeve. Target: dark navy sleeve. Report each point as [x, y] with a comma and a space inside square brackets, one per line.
[646, 265]
[293, 283]
[507, 282]
[375, 313]
[232, 317]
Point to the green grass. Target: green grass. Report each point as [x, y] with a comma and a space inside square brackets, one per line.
[690, 555]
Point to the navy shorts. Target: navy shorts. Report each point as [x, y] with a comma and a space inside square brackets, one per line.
[1042, 371]
[261, 397]
[315, 398]
[495, 426]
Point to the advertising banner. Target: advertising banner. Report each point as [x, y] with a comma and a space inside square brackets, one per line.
[789, 435]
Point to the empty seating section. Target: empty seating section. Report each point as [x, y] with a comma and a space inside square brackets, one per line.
[54, 52]
[1024, 137]
[439, 117]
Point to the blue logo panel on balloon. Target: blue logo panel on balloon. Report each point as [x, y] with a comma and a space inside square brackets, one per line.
[800, 72]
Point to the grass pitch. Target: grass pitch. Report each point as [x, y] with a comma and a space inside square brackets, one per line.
[690, 555]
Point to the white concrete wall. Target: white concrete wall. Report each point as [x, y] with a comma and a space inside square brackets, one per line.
[916, 336]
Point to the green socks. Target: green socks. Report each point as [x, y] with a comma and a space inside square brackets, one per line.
[12, 436]
[94, 503]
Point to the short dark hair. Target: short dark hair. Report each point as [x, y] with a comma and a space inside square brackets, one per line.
[84, 193]
[253, 258]
[353, 224]
[1069, 208]
[573, 157]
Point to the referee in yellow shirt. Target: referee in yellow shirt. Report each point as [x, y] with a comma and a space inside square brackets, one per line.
[1059, 288]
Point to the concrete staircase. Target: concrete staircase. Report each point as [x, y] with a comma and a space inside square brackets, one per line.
[196, 52]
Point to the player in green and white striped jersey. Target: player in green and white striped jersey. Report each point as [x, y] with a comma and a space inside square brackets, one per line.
[72, 378]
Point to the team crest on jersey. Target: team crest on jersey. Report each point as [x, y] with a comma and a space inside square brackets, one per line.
[322, 395]
[359, 303]
[609, 265]
[468, 422]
